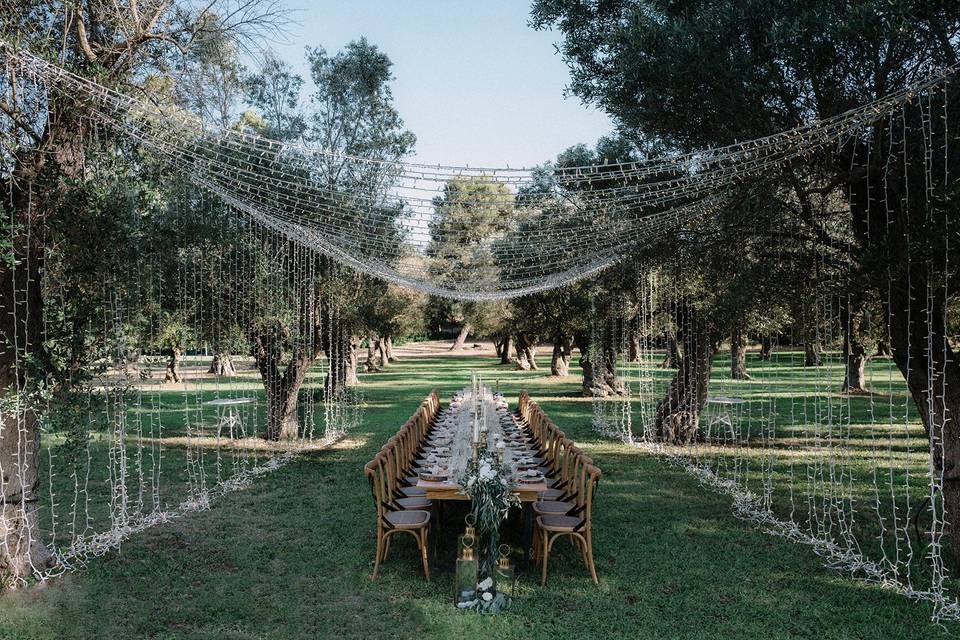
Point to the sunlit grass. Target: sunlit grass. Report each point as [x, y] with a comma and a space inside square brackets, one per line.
[291, 556]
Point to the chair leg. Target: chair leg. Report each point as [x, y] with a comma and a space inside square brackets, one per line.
[386, 547]
[423, 552]
[593, 566]
[545, 547]
[376, 561]
[581, 546]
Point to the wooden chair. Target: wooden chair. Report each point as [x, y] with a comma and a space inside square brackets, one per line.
[404, 476]
[389, 521]
[572, 503]
[397, 499]
[578, 527]
[564, 486]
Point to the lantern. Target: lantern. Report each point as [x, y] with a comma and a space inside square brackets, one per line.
[506, 575]
[465, 580]
[469, 533]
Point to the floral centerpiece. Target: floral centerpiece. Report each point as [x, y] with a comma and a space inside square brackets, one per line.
[485, 481]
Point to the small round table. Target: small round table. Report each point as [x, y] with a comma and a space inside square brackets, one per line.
[228, 415]
[722, 416]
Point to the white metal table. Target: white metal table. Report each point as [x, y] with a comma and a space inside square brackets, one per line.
[228, 414]
[722, 417]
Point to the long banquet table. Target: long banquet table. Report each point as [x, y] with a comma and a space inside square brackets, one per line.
[499, 429]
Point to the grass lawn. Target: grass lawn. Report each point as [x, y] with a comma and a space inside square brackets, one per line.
[290, 557]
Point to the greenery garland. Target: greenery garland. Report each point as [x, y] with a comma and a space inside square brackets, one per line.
[484, 481]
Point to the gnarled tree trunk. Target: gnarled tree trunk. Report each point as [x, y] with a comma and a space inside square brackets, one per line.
[562, 353]
[678, 414]
[738, 354]
[505, 349]
[388, 348]
[172, 373]
[599, 378]
[582, 341]
[811, 354]
[371, 364]
[21, 548]
[883, 349]
[897, 229]
[525, 360]
[766, 348]
[854, 350]
[672, 359]
[222, 365]
[933, 377]
[461, 337]
[343, 364]
[281, 383]
[634, 346]
[381, 348]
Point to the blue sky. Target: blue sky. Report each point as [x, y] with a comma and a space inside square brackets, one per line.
[473, 81]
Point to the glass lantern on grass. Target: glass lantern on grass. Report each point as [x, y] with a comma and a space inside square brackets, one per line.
[506, 574]
[467, 573]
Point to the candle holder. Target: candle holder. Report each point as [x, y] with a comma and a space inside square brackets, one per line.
[469, 534]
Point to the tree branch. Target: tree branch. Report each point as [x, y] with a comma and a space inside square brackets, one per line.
[20, 122]
[82, 37]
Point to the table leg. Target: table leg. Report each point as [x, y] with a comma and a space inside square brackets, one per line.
[527, 540]
[434, 534]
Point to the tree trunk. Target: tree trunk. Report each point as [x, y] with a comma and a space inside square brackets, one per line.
[738, 354]
[562, 353]
[908, 234]
[382, 353]
[373, 352]
[937, 396]
[678, 414]
[883, 349]
[173, 365]
[586, 367]
[282, 387]
[854, 350]
[811, 354]
[282, 403]
[672, 358]
[21, 549]
[531, 354]
[766, 348]
[461, 337]
[855, 380]
[522, 360]
[634, 346]
[343, 366]
[388, 344]
[600, 378]
[505, 349]
[222, 365]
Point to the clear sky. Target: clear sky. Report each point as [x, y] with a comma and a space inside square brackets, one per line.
[473, 81]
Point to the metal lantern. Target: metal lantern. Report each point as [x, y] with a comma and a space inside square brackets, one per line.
[469, 533]
[465, 580]
[506, 574]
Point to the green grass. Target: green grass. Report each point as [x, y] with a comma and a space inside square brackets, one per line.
[290, 557]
